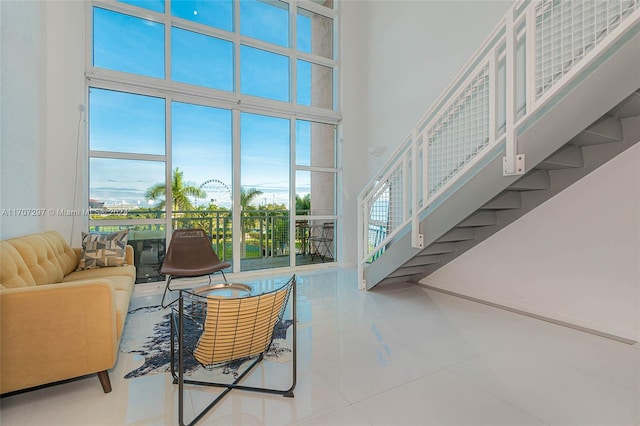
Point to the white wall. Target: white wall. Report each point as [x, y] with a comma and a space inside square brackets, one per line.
[66, 187]
[42, 87]
[415, 49]
[23, 98]
[354, 137]
[397, 58]
[575, 258]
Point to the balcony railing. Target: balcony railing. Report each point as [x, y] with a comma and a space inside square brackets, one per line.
[265, 235]
[535, 50]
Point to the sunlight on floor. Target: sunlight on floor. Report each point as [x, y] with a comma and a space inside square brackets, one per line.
[399, 355]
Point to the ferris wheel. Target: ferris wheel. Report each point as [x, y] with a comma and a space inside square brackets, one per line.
[217, 192]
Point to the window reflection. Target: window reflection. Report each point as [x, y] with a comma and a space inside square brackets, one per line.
[265, 20]
[125, 183]
[264, 162]
[202, 151]
[315, 193]
[218, 13]
[201, 60]
[155, 5]
[315, 33]
[126, 43]
[264, 74]
[315, 85]
[126, 122]
[315, 144]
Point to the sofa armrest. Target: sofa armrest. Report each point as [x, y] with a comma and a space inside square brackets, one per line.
[129, 254]
[56, 331]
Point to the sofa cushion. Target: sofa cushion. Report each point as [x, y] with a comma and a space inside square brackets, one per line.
[36, 259]
[13, 270]
[128, 270]
[101, 250]
[63, 253]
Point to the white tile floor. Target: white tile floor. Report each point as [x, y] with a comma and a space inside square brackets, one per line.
[400, 355]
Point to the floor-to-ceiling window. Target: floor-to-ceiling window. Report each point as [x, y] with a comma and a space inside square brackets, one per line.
[217, 114]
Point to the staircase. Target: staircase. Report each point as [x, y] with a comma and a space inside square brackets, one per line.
[560, 135]
[588, 150]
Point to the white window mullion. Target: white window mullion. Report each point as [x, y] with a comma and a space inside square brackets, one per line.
[168, 125]
[127, 156]
[292, 192]
[125, 8]
[236, 49]
[168, 168]
[235, 186]
[167, 42]
[293, 57]
[337, 81]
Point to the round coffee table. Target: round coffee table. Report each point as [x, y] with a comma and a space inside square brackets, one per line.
[233, 290]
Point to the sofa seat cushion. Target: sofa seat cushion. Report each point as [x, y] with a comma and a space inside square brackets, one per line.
[127, 271]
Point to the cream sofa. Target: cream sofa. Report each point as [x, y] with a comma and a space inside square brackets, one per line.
[58, 323]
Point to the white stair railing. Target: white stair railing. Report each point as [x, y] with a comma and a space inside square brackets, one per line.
[534, 51]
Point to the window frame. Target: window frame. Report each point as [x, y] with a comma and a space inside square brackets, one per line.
[235, 101]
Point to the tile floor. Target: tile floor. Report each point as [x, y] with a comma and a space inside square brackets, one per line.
[400, 355]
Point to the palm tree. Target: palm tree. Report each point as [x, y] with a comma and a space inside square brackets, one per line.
[180, 192]
[247, 196]
[303, 204]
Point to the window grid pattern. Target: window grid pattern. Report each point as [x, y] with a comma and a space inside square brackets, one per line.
[460, 133]
[196, 78]
[386, 209]
[566, 31]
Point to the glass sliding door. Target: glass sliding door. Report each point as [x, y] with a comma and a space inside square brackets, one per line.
[316, 189]
[264, 191]
[202, 159]
[127, 158]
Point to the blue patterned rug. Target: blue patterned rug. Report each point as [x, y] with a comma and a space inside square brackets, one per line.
[147, 333]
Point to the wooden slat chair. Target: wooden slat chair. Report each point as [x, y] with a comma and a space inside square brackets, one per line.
[228, 329]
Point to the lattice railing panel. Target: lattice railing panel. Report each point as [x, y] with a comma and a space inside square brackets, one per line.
[566, 31]
[386, 209]
[460, 133]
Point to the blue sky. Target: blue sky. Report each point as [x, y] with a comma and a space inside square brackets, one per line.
[201, 136]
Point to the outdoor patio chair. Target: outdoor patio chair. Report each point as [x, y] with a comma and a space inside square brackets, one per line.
[217, 331]
[321, 241]
[190, 255]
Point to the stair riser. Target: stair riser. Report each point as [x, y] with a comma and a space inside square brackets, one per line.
[422, 261]
[458, 234]
[505, 201]
[479, 218]
[606, 130]
[535, 181]
[570, 156]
